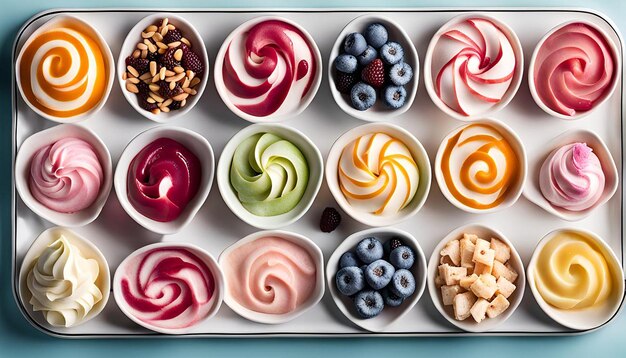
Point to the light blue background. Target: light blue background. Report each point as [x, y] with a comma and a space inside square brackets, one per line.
[18, 338]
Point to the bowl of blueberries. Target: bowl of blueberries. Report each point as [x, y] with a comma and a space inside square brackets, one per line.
[376, 276]
[374, 69]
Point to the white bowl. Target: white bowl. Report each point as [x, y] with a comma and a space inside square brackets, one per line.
[532, 190]
[215, 301]
[531, 70]
[46, 137]
[513, 87]
[515, 299]
[419, 155]
[129, 45]
[106, 52]
[193, 141]
[379, 111]
[316, 172]
[389, 315]
[88, 251]
[223, 92]
[588, 318]
[316, 295]
[514, 192]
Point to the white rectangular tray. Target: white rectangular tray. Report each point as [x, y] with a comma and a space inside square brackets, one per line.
[215, 227]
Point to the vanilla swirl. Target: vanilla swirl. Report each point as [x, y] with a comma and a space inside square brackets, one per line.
[270, 275]
[377, 174]
[473, 64]
[574, 69]
[63, 71]
[62, 283]
[168, 287]
[572, 177]
[572, 272]
[479, 166]
[66, 175]
[269, 174]
[269, 69]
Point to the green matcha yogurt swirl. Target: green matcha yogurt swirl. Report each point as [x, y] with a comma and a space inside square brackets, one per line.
[269, 174]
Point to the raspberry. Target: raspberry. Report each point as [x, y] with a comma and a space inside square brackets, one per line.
[345, 81]
[374, 73]
[143, 103]
[330, 219]
[191, 61]
[166, 92]
[168, 60]
[140, 64]
[172, 36]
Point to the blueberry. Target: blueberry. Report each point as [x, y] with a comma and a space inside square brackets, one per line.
[402, 283]
[349, 280]
[376, 35]
[391, 53]
[394, 96]
[392, 244]
[363, 96]
[402, 257]
[348, 259]
[355, 44]
[400, 73]
[369, 304]
[367, 56]
[378, 274]
[346, 63]
[390, 298]
[369, 250]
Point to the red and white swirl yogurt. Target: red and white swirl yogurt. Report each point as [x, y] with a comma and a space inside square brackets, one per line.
[270, 69]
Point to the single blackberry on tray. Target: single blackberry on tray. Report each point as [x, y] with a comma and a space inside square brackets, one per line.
[330, 219]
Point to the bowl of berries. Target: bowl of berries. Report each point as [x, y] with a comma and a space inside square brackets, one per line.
[374, 69]
[376, 276]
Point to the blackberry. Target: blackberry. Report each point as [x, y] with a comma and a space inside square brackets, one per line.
[191, 61]
[167, 59]
[143, 103]
[345, 81]
[140, 64]
[172, 36]
[175, 105]
[143, 89]
[330, 219]
[152, 56]
[166, 92]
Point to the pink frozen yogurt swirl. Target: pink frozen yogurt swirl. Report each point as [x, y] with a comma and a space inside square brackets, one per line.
[473, 64]
[168, 287]
[270, 275]
[269, 69]
[574, 69]
[572, 177]
[66, 175]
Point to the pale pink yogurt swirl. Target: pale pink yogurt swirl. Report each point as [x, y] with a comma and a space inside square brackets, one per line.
[473, 64]
[66, 176]
[574, 69]
[572, 177]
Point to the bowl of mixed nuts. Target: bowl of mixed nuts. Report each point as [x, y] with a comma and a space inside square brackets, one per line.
[163, 67]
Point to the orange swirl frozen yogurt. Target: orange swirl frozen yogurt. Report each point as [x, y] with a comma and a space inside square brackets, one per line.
[377, 174]
[479, 166]
[63, 70]
[270, 275]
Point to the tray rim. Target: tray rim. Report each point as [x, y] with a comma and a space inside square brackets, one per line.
[53, 11]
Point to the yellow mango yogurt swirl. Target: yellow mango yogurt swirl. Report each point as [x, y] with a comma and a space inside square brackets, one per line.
[572, 272]
[62, 282]
[377, 174]
[63, 71]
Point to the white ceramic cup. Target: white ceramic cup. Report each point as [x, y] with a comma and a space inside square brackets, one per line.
[47, 137]
[193, 141]
[379, 111]
[389, 315]
[130, 44]
[469, 325]
[267, 318]
[419, 155]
